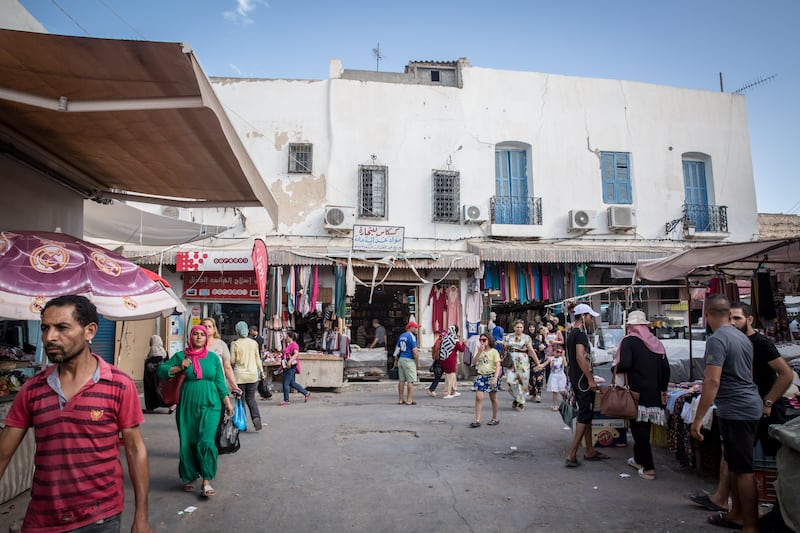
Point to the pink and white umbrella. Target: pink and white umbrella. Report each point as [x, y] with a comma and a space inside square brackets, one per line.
[36, 266]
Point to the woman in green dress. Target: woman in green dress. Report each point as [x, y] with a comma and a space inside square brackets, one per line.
[202, 394]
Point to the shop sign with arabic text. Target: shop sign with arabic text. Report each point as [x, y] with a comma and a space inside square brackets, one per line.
[378, 238]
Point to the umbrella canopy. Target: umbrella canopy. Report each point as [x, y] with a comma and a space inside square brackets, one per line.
[37, 266]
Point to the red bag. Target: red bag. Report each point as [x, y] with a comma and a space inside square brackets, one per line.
[169, 390]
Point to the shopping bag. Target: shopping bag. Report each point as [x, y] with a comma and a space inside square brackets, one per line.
[227, 439]
[619, 402]
[169, 390]
[568, 411]
[263, 389]
[239, 416]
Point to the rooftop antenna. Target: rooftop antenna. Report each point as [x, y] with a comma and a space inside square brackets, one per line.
[756, 83]
[378, 56]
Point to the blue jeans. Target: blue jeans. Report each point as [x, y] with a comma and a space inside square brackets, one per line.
[290, 383]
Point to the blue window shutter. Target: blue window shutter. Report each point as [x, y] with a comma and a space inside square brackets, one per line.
[103, 341]
[616, 178]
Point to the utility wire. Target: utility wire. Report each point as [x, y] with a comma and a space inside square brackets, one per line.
[70, 17]
[122, 19]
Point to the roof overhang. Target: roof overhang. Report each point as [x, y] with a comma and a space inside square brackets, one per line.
[536, 252]
[131, 120]
[737, 258]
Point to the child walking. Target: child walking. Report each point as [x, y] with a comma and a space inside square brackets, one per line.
[557, 382]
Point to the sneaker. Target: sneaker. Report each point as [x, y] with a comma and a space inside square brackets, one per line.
[448, 396]
[257, 423]
[308, 395]
[431, 393]
[284, 403]
[456, 394]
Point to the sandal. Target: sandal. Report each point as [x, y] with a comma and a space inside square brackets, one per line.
[571, 463]
[188, 487]
[719, 519]
[475, 425]
[208, 491]
[645, 475]
[598, 456]
[704, 501]
[411, 403]
[493, 422]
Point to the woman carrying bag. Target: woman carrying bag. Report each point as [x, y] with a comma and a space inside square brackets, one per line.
[246, 361]
[643, 357]
[199, 411]
[291, 366]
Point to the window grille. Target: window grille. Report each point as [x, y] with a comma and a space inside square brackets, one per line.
[372, 185]
[446, 195]
[300, 158]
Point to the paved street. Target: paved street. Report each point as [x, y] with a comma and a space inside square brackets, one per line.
[357, 461]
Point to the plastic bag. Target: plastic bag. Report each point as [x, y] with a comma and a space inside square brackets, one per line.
[227, 439]
[263, 389]
[239, 416]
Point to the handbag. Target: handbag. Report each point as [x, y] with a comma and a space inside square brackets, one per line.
[227, 439]
[507, 361]
[239, 416]
[169, 390]
[619, 402]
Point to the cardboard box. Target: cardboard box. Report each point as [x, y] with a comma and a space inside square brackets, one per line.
[606, 422]
[609, 437]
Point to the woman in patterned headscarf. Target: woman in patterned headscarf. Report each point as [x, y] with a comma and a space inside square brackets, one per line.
[202, 395]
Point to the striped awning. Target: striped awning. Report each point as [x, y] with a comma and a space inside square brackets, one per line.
[536, 252]
[320, 256]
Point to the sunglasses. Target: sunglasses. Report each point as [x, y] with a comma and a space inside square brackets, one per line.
[484, 340]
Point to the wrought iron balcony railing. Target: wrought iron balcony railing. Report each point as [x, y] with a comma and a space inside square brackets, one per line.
[516, 210]
[712, 218]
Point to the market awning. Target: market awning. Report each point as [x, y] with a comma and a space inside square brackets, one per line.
[121, 119]
[322, 256]
[745, 256]
[534, 252]
[125, 224]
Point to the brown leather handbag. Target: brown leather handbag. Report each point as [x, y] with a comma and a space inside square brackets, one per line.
[619, 402]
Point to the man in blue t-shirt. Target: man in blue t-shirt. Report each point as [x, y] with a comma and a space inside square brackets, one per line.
[406, 361]
[728, 384]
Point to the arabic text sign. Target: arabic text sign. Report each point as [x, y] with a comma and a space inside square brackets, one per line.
[382, 238]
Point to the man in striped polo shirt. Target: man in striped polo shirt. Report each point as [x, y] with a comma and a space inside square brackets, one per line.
[78, 406]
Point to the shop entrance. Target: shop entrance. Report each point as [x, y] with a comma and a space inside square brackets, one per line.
[392, 305]
[228, 314]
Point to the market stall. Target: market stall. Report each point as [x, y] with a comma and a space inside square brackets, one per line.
[36, 267]
[773, 270]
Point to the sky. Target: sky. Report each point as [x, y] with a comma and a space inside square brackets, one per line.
[680, 43]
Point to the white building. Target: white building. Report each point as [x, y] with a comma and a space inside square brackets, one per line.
[514, 167]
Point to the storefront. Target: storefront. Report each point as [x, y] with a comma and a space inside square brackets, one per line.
[220, 285]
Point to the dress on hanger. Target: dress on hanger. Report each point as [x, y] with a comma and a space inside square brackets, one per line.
[437, 301]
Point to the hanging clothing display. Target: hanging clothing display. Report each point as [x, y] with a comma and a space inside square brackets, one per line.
[438, 304]
[453, 294]
[473, 307]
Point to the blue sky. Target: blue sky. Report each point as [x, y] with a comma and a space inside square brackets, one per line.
[682, 43]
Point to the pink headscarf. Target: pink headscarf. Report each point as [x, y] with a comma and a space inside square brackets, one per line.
[195, 355]
[643, 333]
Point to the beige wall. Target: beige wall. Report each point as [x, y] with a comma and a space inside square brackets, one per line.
[132, 343]
[31, 201]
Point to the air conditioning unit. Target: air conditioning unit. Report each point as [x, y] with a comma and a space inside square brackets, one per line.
[581, 220]
[472, 214]
[621, 218]
[339, 218]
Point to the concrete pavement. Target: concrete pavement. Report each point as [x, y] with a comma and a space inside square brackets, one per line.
[358, 461]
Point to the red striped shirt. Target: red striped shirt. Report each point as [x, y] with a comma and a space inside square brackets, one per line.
[78, 477]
